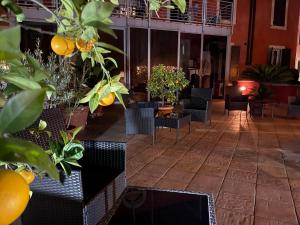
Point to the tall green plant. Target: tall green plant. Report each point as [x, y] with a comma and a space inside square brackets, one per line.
[269, 73]
[165, 81]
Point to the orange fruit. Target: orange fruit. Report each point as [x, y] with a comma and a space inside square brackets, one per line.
[27, 175]
[62, 45]
[108, 100]
[14, 196]
[85, 46]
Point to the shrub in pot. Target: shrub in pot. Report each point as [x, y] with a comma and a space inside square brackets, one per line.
[165, 81]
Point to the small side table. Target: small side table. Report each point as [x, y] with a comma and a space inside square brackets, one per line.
[176, 122]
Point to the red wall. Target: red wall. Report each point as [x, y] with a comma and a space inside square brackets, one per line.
[240, 30]
[264, 35]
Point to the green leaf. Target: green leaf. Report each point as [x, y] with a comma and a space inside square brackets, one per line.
[75, 132]
[112, 60]
[181, 4]
[66, 167]
[119, 97]
[96, 11]
[10, 40]
[21, 111]
[115, 2]
[93, 91]
[116, 86]
[21, 82]
[88, 34]
[73, 151]
[14, 8]
[116, 78]
[106, 29]
[72, 162]
[104, 91]
[18, 150]
[109, 46]
[94, 102]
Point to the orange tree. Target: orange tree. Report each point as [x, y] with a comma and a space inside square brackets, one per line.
[78, 20]
[78, 23]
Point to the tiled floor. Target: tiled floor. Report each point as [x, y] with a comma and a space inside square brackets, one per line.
[252, 167]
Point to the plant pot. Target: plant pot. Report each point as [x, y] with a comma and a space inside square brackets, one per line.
[165, 110]
[78, 117]
[84, 197]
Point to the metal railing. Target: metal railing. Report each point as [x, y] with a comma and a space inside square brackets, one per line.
[203, 12]
[51, 4]
[199, 12]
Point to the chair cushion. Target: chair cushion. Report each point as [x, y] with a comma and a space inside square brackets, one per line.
[241, 98]
[198, 103]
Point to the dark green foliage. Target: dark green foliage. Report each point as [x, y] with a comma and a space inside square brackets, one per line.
[270, 73]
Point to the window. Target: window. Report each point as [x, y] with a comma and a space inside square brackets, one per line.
[279, 14]
[279, 55]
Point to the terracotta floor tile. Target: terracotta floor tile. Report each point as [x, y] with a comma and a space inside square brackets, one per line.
[244, 165]
[165, 161]
[278, 183]
[273, 194]
[187, 167]
[154, 170]
[212, 171]
[241, 175]
[263, 221]
[242, 204]
[228, 217]
[142, 180]
[178, 175]
[208, 184]
[239, 188]
[275, 210]
[295, 184]
[272, 171]
[166, 183]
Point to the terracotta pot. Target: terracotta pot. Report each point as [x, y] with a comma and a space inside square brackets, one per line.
[79, 117]
[164, 110]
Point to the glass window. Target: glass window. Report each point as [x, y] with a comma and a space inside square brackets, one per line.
[279, 10]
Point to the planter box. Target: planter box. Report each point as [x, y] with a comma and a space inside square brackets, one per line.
[84, 197]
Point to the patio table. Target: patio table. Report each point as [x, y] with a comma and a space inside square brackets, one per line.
[176, 121]
[150, 206]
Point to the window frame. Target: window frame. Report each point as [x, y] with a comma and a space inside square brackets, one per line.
[285, 19]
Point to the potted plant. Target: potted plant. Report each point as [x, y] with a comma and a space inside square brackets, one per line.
[165, 81]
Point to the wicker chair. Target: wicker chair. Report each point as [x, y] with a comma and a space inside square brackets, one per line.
[140, 121]
[88, 194]
[294, 107]
[199, 105]
[234, 100]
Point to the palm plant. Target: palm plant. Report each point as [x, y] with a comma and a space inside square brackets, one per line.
[269, 73]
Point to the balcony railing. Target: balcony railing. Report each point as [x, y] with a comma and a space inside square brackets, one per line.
[200, 12]
[51, 4]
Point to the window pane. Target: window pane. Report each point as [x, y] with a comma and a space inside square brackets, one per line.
[279, 13]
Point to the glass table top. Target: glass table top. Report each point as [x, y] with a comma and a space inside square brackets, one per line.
[143, 206]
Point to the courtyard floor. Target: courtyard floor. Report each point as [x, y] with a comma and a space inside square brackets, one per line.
[252, 167]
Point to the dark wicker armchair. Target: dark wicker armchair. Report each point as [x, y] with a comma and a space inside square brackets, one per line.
[88, 194]
[294, 107]
[140, 121]
[234, 100]
[199, 105]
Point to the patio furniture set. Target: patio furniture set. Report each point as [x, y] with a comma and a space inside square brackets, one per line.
[97, 192]
[235, 100]
[143, 117]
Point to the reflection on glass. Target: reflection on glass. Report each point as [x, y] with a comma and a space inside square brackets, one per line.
[138, 63]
